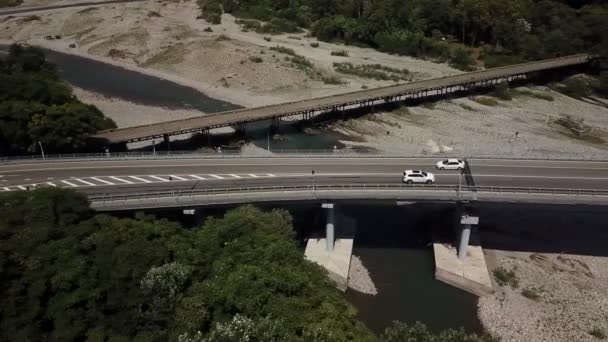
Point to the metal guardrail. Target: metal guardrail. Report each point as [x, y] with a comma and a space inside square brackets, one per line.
[290, 153]
[107, 197]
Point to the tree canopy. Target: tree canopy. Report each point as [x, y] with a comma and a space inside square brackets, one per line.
[508, 31]
[68, 274]
[36, 105]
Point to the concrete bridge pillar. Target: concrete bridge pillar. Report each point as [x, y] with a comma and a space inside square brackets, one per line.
[465, 234]
[330, 232]
[167, 141]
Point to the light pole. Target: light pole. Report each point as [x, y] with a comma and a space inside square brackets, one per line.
[41, 150]
[154, 147]
[268, 140]
[313, 183]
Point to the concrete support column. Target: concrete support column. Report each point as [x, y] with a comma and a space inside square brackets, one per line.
[329, 227]
[167, 141]
[465, 234]
[463, 243]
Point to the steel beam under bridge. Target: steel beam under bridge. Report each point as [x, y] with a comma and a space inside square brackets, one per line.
[315, 106]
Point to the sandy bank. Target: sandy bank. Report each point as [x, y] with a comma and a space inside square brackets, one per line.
[525, 126]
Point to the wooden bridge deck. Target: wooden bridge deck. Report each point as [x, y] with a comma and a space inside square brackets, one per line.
[363, 97]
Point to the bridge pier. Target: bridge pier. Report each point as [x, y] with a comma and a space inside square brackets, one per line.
[334, 254]
[463, 267]
[167, 141]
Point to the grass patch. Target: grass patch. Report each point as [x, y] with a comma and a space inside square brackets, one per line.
[597, 333]
[576, 87]
[341, 53]
[534, 94]
[208, 29]
[374, 71]
[255, 59]
[331, 79]
[404, 111]
[467, 107]
[10, 3]
[294, 37]
[531, 294]
[282, 49]
[504, 277]
[484, 100]
[503, 92]
[314, 45]
[429, 105]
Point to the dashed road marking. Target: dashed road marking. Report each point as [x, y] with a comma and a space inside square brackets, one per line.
[270, 175]
[121, 180]
[235, 176]
[252, 175]
[141, 179]
[198, 177]
[51, 184]
[216, 176]
[86, 182]
[178, 177]
[70, 184]
[102, 180]
[7, 189]
[21, 187]
[160, 179]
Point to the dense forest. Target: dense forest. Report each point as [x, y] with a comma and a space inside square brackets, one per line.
[505, 32]
[71, 275]
[37, 106]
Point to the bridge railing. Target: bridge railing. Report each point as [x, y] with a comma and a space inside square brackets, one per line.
[111, 197]
[302, 153]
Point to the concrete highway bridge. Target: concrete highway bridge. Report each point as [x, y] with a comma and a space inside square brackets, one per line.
[126, 184]
[192, 183]
[364, 98]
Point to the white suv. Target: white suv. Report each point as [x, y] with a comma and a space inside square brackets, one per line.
[450, 164]
[416, 176]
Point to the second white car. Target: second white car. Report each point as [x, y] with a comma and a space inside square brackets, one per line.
[450, 164]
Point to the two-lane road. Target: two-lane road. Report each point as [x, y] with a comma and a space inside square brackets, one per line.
[120, 176]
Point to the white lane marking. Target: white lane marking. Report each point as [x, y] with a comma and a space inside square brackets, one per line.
[140, 179]
[7, 189]
[51, 178]
[216, 176]
[160, 179]
[51, 184]
[27, 179]
[21, 187]
[86, 182]
[543, 167]
[545, 177]
[70, 184]
[254, 176]
[102, 180]
[234, 176]
[121, 180]
[198, 177]
[178, 178]
[270, 175]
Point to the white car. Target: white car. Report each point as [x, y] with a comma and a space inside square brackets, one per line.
[450, 164]
[416, 176]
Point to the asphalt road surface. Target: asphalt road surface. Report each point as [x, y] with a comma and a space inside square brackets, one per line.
[128, 176]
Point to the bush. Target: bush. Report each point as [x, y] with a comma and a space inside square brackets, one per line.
[255, 59]
[535, 94]
[341, 53]
[418, 332]
[208, 29]
[503, 92]
[331, 79]
[314, 45]
[461, 59]
[504, 277]
[576, 87]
